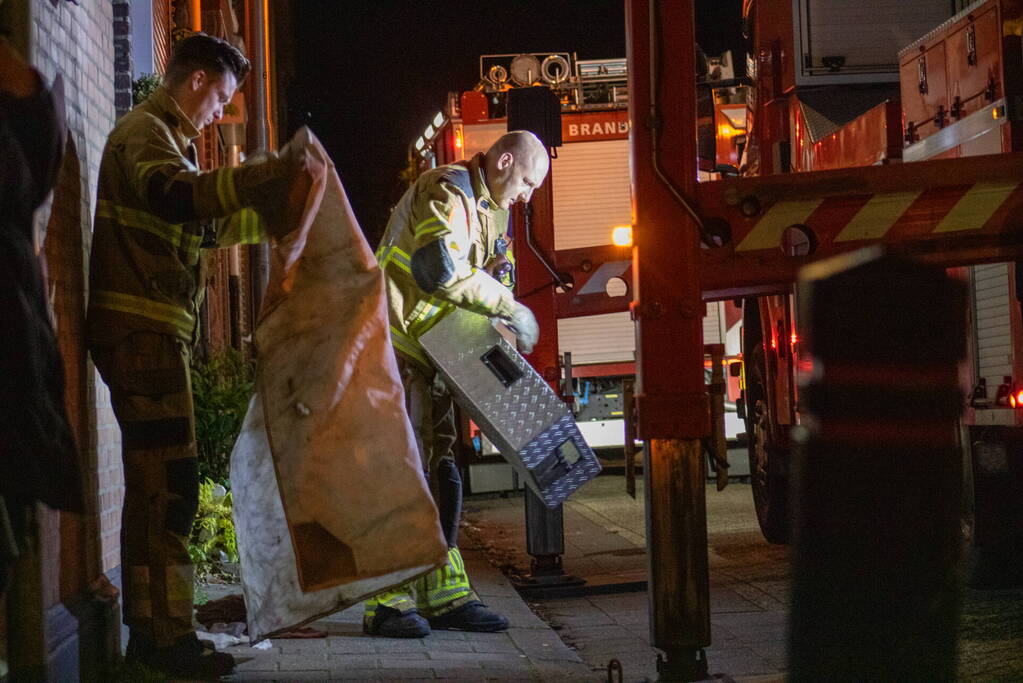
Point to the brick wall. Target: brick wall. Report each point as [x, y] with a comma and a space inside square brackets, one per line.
[123, 68]
[77, 42]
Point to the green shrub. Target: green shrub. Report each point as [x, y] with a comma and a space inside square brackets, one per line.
[221, 389]
[212, 541]
[144, 86]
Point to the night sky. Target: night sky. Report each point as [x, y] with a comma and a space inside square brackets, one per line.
[372, 73]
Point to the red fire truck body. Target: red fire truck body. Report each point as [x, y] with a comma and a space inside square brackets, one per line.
[959, 82]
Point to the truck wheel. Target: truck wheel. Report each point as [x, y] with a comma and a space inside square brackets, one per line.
[767, 471]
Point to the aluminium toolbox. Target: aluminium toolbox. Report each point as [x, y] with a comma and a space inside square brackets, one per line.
[516, 409]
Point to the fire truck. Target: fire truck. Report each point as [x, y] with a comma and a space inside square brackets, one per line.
[843, 84]
[592, 212]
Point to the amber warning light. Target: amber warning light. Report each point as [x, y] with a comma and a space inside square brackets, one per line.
[622, 236]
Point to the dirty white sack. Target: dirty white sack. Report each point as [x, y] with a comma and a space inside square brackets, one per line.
[330, 503]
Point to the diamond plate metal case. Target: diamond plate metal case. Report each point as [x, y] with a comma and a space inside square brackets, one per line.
[516, 409]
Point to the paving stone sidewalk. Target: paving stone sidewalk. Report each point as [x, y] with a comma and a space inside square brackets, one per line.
[605, 543]
[529, 651]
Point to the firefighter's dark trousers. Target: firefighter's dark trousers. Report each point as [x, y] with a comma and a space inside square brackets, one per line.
[431, 410]
[150, 388]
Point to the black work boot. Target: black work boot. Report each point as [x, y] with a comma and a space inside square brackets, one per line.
[472, 616]
[187, 658]
[391, 623]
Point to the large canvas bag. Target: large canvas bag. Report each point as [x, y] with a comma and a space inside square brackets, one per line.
[330, 502]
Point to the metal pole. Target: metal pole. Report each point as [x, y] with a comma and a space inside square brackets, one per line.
[679, 600]
[671, 399]
[259, 253]
[718, 441]
[534, 229]
[629, 413]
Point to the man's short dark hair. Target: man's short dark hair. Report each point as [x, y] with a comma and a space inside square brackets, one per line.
[207, 53]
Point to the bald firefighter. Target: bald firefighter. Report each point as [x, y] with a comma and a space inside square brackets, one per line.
[444, 234]
[155, 214]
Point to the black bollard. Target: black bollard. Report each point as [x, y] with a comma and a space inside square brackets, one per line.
[877, 473]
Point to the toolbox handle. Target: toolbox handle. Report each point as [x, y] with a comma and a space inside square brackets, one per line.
[503, 367]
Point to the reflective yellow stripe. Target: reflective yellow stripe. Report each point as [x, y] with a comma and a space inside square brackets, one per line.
[396, 256]
[255, 233]
[877, 216]
[431, 231]
[142, 220]
[147, 308]
[226, 191]
[766, 234]
[248, 227]
[449, 582]
[407, 345]
[143, 167]
[977, 206]
[428, 226]
[433, 312]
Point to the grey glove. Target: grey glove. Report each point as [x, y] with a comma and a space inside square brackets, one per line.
[523, 323]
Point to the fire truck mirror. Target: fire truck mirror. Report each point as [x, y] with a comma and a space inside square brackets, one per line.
[735, 369]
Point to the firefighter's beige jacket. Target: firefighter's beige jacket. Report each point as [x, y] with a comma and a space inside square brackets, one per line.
[449, 203]
[147, 273]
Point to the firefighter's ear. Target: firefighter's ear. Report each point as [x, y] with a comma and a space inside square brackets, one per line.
[505, 161]
[197, 79]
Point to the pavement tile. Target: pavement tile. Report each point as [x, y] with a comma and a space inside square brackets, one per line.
[432, 646]
[355, 674]
[509, 677]
[304, 661]
[556, 671]
[298, 646]
[351, 645]
[264, 661]
[312, 675]
[414, 665]
[602, 632]
[340, 662]
[449, 635]
[740, 661]
[395, 645]
[521, 663]
[461, 675]
[538, 644]
[611, 648]
[755, 627]
[471, 656]
[497, 646]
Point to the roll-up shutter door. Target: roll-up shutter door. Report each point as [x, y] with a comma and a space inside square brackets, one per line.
[611, 337]
[993, 323]
[712, 324]
[591, 192]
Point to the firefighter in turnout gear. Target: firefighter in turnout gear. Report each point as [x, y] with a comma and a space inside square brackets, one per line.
[155, 212]
[446, 231]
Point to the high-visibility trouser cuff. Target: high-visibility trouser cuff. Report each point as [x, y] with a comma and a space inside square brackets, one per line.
[445, 589]
[399, 599]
